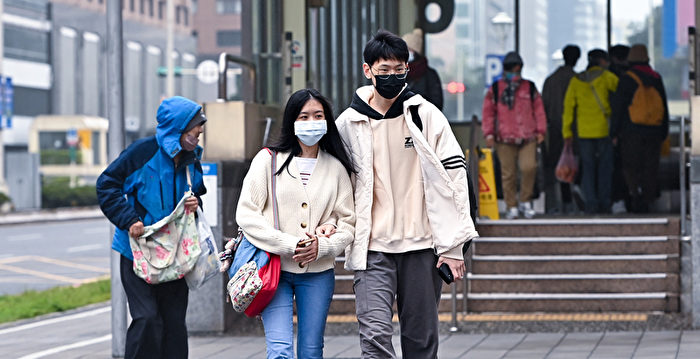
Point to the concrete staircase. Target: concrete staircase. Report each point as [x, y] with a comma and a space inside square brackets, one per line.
[561, 265]
[576, 265]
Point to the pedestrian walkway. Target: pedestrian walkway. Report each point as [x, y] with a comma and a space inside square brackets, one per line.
[86, 333]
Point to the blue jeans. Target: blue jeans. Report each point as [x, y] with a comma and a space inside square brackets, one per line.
[313, 293]
[597, 160]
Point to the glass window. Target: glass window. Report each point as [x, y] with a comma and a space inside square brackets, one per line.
[462, 10]
[227, 38]
[463, 30]
[228, 6]
[26, 44]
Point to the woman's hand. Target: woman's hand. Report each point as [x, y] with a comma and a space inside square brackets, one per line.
[306, 251]
[226, 256]
[191, 203]
[325, 230]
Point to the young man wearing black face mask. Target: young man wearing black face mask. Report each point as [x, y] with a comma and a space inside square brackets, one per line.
[152, 173]
[411, 203]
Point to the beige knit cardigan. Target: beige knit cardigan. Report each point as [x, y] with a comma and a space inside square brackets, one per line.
[327, 198]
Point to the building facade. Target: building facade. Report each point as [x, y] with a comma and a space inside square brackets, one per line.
[217, 26]
[27, 61]
[78, 63]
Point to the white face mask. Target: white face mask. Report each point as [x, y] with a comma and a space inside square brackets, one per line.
[310, 132]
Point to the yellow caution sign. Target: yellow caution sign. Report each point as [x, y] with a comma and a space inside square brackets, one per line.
[85, 138]
[488, 202]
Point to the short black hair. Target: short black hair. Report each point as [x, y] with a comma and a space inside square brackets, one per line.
[595, 56]
[571, 54]
[387, 46]
[620, 52]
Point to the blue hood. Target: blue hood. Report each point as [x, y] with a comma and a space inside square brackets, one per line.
[174, 113]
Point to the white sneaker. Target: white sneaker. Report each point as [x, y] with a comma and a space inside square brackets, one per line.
[526, 210]
[512, 213]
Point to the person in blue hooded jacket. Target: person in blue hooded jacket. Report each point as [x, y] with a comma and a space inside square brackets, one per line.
[142, 186]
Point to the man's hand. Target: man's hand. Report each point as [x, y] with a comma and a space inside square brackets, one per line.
[325, 230]
[136, 230]
[540, 138]
[456, 266]
[489, 141]
[191, 203]
[306, 251]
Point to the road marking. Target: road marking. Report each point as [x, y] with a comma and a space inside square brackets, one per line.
[25, 237]
[63, 348]
[40, 274]
[64, 318]
[85, 248]
[96, 230]
[15, 259]
[69, 264]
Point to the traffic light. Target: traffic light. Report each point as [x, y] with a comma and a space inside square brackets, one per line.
[455, 87]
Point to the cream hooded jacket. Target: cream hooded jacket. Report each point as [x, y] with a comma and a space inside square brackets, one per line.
[443, 167]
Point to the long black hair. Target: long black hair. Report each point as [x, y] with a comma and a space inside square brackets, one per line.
[331, 142]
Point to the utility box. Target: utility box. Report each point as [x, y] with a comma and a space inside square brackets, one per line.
[24, 180]
[235, 131]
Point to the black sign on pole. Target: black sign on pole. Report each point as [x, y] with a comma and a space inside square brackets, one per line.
[691, 61]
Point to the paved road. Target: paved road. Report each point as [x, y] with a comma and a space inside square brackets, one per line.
[44, 255]
[86, 334]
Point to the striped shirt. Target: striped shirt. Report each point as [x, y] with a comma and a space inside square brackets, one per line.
[306, 168]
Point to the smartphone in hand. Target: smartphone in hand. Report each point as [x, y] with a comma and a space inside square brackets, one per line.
[305, 243]
[446, 273]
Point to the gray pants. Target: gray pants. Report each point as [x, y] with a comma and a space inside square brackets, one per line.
[413, 280]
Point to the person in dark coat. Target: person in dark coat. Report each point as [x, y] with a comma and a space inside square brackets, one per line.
[618, 59]
[619, 65]
[553, 93]
[422, 79]
[142, 186]
[640, 144]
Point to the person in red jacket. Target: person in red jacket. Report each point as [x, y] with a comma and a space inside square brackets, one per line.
[514, 120]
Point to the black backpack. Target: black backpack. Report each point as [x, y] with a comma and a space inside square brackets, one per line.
[533, 90]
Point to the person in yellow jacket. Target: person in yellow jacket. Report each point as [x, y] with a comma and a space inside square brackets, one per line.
[587, 101]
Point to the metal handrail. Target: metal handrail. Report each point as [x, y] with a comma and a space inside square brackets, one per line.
[683, 168]
[224, 60]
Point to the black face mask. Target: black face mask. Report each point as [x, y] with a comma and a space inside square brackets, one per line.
[189, 143]
[389, 87]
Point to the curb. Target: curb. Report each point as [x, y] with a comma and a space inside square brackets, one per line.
[51, 216]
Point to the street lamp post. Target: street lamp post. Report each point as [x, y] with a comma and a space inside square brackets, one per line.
[502, 24]
[3, 184]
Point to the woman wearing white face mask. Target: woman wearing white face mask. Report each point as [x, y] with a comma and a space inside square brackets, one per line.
[316, 221]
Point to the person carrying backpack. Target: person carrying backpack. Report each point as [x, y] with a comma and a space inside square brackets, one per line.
[514, 120]
[639, 126]
[587, 111]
